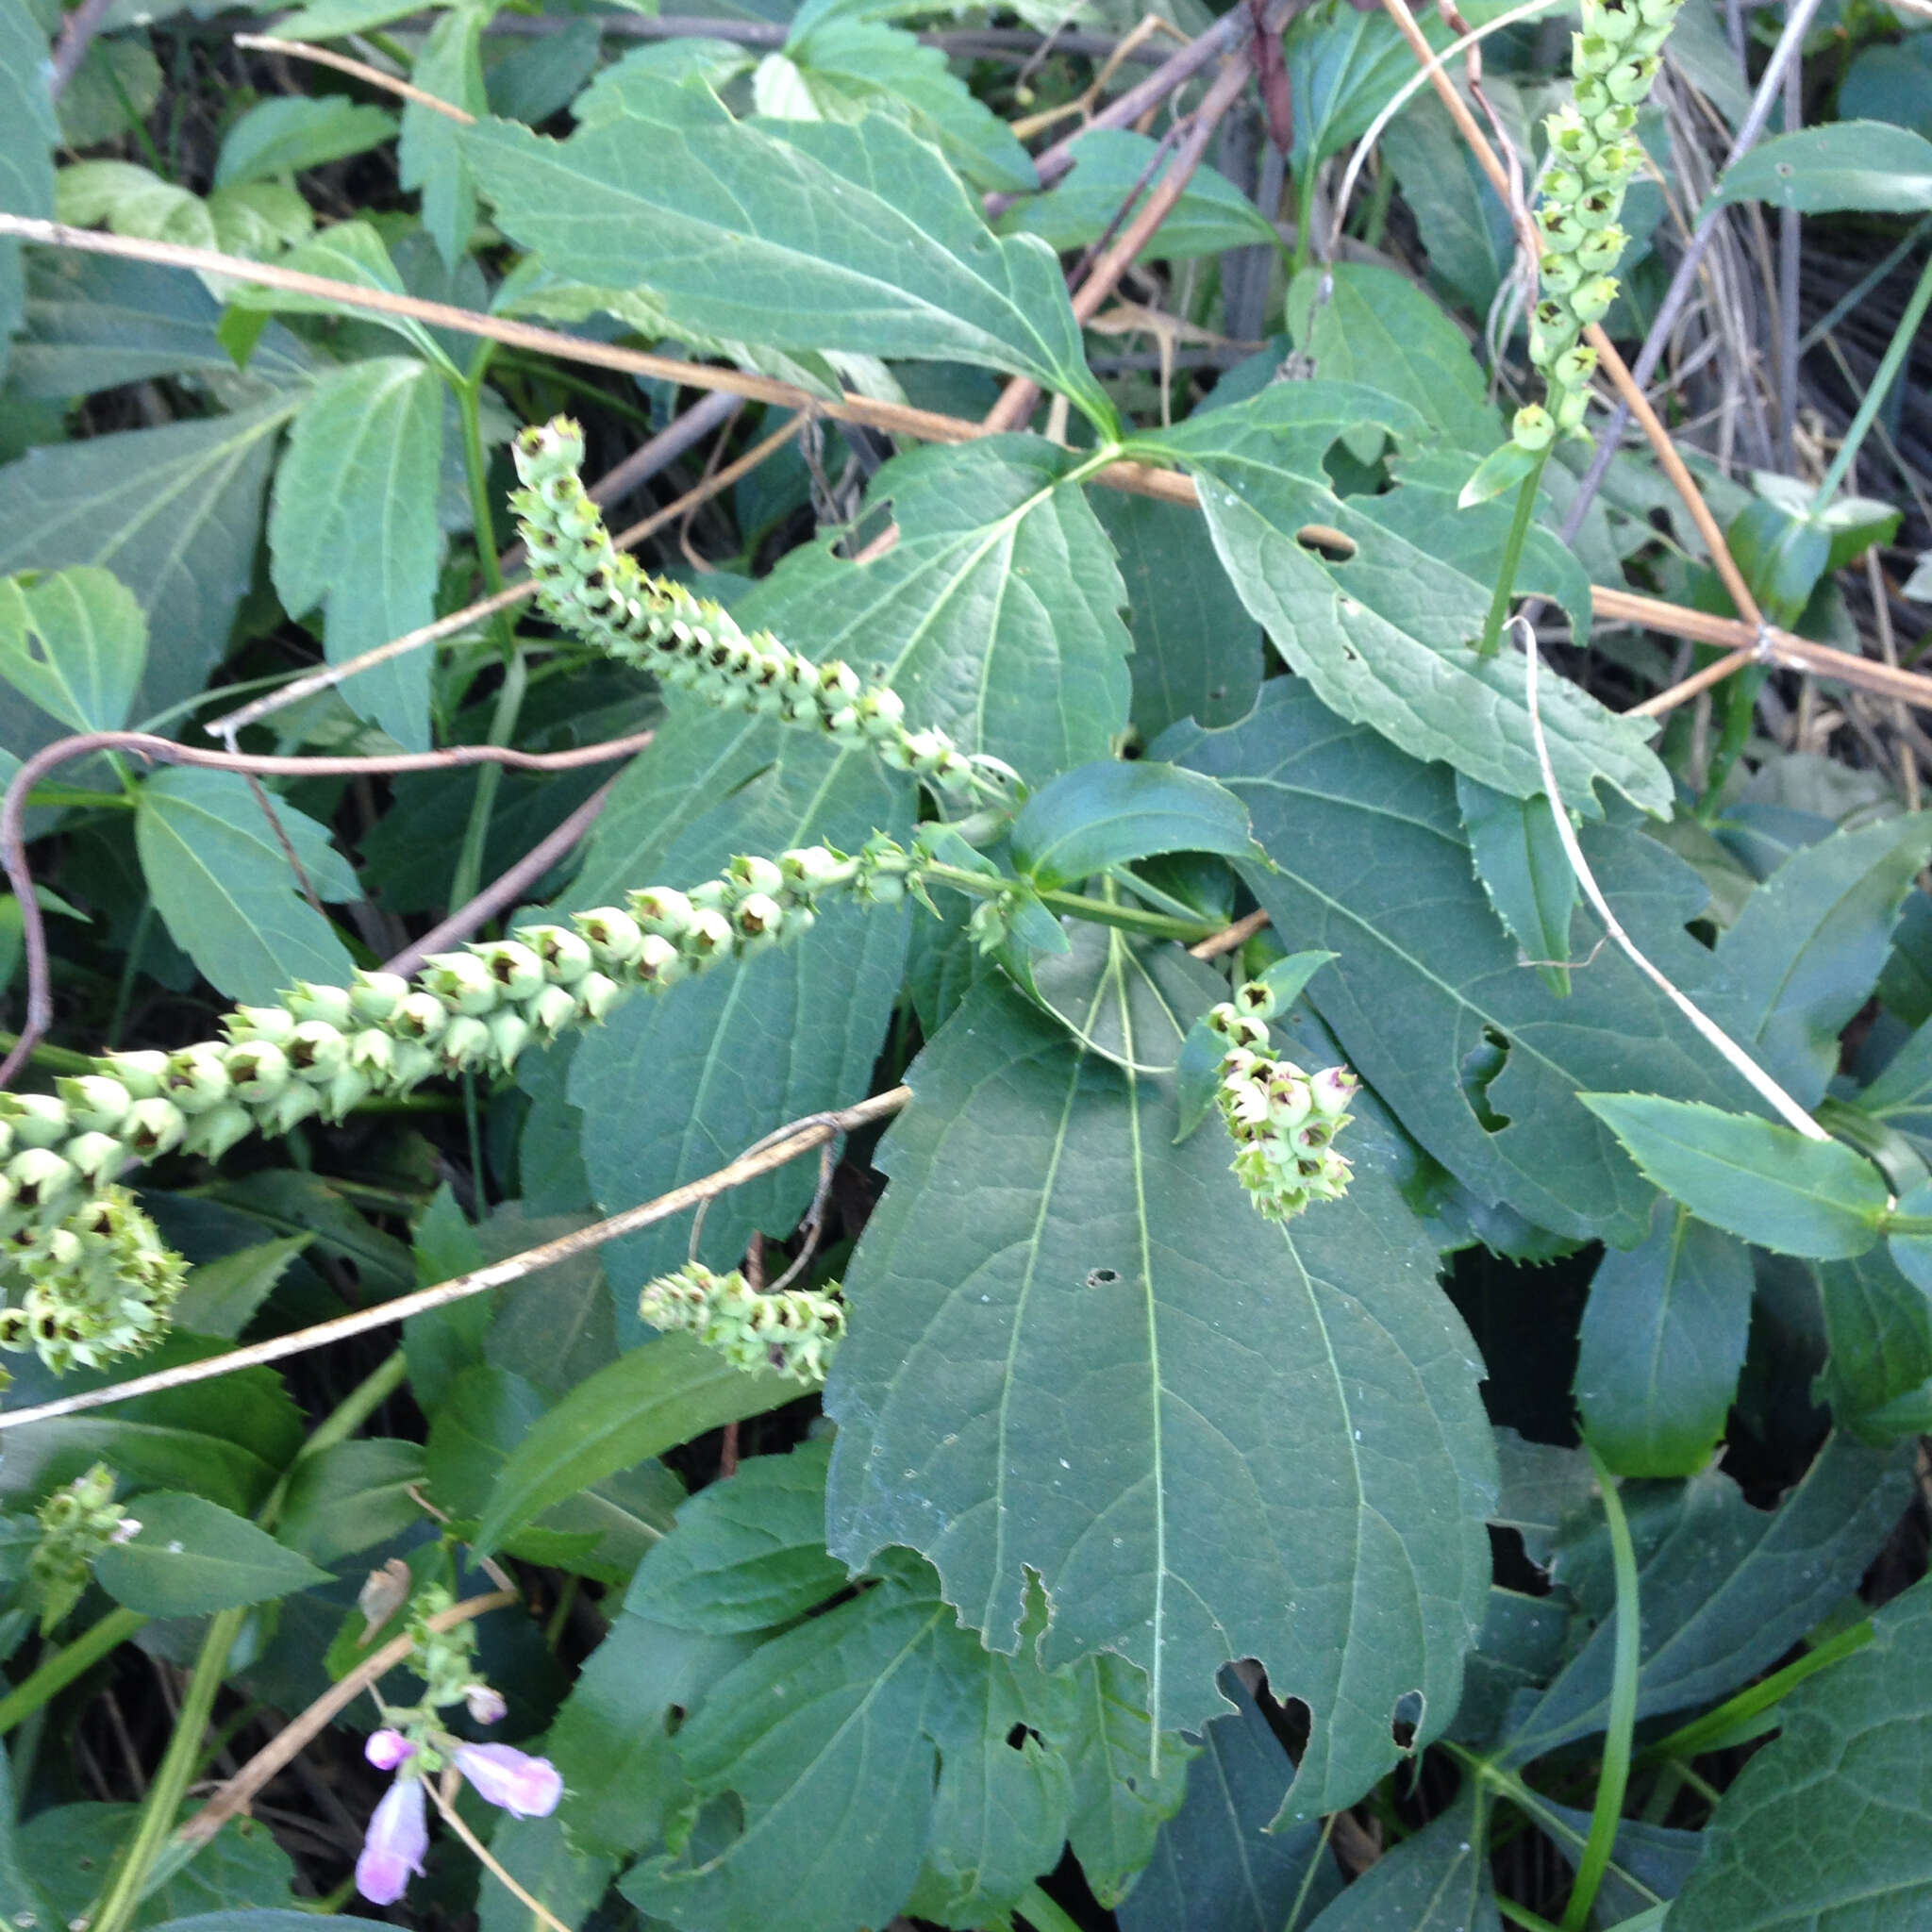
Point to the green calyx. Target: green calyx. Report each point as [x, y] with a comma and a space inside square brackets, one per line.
[77, 1522]
[1593, 157]
[794, 1331]
[1282, 1119]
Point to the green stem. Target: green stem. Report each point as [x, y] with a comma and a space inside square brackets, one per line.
[1041, 1913]
[57, 1059]
[1521, 1915]
[1895, 354]
[356, 1407]
[1615, 1776]
[172, 1778]
[70, 1661]
[1905, 1223]
[1702, 1734]
[1513, 556]
[1132, 918]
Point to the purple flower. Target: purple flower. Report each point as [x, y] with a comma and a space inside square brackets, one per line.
[527, 1786]
[398, 1838]
[486, 1705]
[386, 1749]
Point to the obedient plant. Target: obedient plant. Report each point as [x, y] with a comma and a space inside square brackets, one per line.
[1289, 1351]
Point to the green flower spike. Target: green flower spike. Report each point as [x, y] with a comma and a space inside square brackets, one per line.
[792, 1330]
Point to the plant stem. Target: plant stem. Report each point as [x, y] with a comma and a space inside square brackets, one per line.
[1615, 1776]
[171, 1778]
[70, 1661]
[1132, 918]
[1701, 1734]
[1521, 1915]
[1041, 1913]
[1895, 354]
[1513, 556]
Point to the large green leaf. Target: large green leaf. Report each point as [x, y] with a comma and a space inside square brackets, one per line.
[29, 132]
[1342, 66]
[845, 65]
[1371, 326]
[856, 238]
[191, 1556]
[1118, 1805]
[645, 1403]
[1861, 164]
[856, 1746]
[1038, 1382]
[1804, 955]
[1764, 1182]
[1197, 653]
[351, 1495]
[747, 1553]
[1377, 600]
[1726, 1589]
[1217, 1867]
[1519, 859]
[74, 643]
[1436, 1879]
[1481, 1060]
[1856, 1746]
[173, 512]
[1663, 1339]
[222, 883]
[1110, 172]
[353, 528]
[1111, 812]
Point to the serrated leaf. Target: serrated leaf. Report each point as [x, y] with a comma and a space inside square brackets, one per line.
[1109, 166]
[352, 526]
[1362, 323]
[1438, 1879]
[1112, 812]
[296, 132]
[220, 1297]
[1726, 1590]
[747, 1553]
[1526, 874]
[351, 1495]
[222, 883]
[1377, 600]
[853, 238]
[846, 65]
[1857, 1742]
[645, 1403]
[1861, 164]
[1663, 1342]
[75, 643]
[1086, 1430]
[1753, 1178]
[1216, 1866]
[1804, 955]
[174, 513]
[1197, 653]
[449, 65]
[192, 1556]
[1478, 1058]
[343, 252]
[853, 1744]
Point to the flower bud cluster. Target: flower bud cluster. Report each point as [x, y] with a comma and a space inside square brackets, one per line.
[792, 1330]
[1282, 1119]
[590, 588]
[78, 1522]
[100, 1282]
[1593, 155]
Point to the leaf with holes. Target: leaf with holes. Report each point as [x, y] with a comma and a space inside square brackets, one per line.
[1480, 1061]
[222, 883]
[1054, 1398]
[76, 643]
[1376, 600]
[1848, 164]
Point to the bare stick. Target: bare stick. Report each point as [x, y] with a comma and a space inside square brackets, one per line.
[1230, 936]
[1734, 1055]
[331, 674]
[452, 1818]
[508, 890]
[76, 34]
[1016, 402]
[804, 1136]
[360, 69]
[235, 1795]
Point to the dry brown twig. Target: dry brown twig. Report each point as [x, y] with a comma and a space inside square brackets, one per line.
[801, 1137]
[356, 70]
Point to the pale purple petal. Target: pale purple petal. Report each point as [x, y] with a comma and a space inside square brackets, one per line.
[386, 1749]
[397, 1840]
[486, 1705]
[528, 1786]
